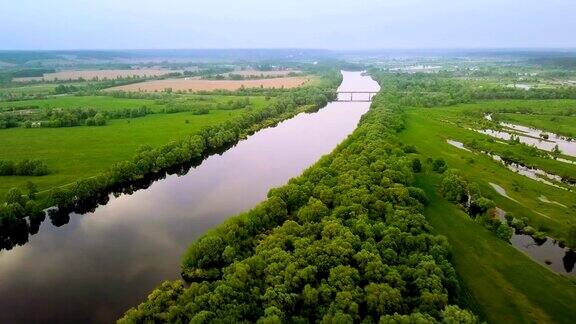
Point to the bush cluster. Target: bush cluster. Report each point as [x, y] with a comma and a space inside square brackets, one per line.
[23, 168]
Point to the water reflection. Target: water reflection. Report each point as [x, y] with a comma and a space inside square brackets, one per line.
[457, 144]
[546, 251]
[16, 231]
[532, 136]
[532, 173]
[110, 255]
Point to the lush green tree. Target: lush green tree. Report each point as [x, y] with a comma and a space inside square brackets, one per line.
[99, 119]
[383, 299]
[439, 165]
[15, 196]
[454, 187]
[504, 232]
[454, 315]
[32, 190]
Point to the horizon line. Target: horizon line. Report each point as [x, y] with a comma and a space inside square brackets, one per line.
[488, 48]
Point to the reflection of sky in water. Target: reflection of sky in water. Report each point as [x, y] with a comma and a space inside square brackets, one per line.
[548, 253]
[531, 136]
[100, 263]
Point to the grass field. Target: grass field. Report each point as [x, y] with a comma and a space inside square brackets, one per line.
[209, 85]
[112, 103]
[429, 128]
[75, 152]
[29, 89]
[549, 106]
[505, 285]
[96, 102]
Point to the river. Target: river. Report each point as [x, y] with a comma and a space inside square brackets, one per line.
[99, 264]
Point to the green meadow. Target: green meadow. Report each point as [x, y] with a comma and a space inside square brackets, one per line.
[500, 283]
[428, 129]
[71, 101]
[72, 153]
[111, 103]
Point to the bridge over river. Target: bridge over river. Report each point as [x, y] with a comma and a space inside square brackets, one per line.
[355, 96]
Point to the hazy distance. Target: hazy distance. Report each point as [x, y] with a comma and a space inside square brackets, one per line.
[330, 24]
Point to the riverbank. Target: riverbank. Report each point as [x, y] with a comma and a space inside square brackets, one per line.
[131, 241]
[343, 242]
[21, 217]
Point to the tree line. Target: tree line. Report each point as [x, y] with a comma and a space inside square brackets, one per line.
[23, 168]
[432, 90]
[345, 242]
[69, 117]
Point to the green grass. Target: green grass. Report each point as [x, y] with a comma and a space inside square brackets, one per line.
[506, 285]
[548, 106]
[429, 128]
[111, 103]
[36, 89]
[70, 101]
[76, 152]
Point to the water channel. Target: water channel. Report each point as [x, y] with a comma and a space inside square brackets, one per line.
[97, 264]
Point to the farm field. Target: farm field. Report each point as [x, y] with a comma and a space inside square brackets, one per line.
[429, 129]
[97, 74]
[209, 85]
[75, 152]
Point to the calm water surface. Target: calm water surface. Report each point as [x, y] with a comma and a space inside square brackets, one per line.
[101, 263]
[531, 136]
[548, 252]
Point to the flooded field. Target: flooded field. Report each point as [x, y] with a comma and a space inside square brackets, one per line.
[531, 136]
[532, 173]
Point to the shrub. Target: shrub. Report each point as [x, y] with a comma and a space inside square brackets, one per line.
[439, 165]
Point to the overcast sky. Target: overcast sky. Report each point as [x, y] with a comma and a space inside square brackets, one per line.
[331, 24]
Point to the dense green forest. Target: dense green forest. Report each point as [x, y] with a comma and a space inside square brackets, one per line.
[344, 242]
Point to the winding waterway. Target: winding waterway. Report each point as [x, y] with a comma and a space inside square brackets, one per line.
[100, 263]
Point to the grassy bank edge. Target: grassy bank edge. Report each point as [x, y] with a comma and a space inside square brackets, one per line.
[505, 285]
